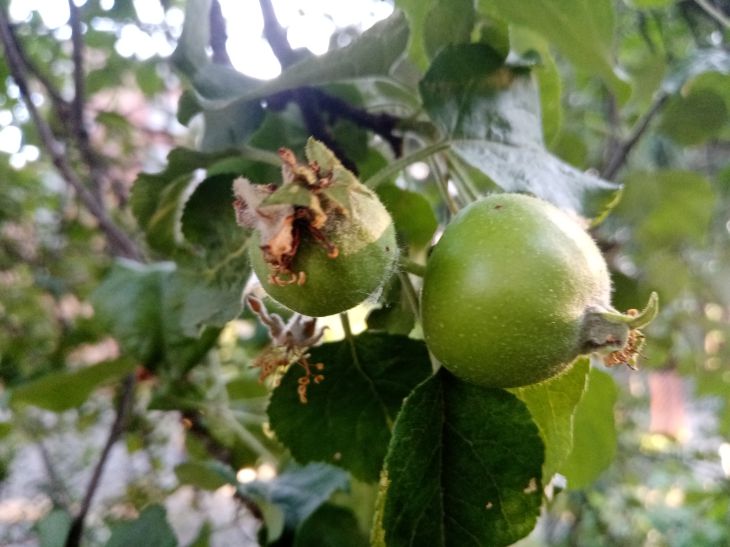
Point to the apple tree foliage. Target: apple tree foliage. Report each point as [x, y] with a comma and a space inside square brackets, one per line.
[615, 111]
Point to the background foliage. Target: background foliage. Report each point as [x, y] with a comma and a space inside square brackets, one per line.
[129, 408]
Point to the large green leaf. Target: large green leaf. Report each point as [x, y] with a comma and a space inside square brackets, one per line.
[348, 418]
[62, 390]
[150, 528]
[668, 209]
[371, 54]
[463, 468]
[144, 307]
[298, 490]
[583, 31]
[552, 404]
[448, 22]
[330, 526]
[157, 199]
[491, 114]
[594, 432]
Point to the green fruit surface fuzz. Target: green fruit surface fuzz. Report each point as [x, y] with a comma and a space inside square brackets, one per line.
[514, 290]
[367, 253]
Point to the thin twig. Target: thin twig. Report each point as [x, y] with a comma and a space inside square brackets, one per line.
[119, 243]
[621, 155]
[218, 35]
[77, 120]
[382, 124]
[123, 410]
[275, 34]
[716, 13]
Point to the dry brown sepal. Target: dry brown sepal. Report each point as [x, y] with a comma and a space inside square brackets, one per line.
[290, 344]
[311, 196]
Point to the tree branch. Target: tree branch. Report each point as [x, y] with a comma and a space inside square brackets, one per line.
[124, 407]
[218, 35]
[621, 154]
[119, 243]
[275, 34]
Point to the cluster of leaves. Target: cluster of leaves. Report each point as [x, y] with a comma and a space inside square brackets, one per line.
[492, 96]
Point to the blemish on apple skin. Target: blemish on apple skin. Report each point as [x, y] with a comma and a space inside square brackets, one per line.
[337, 456]
[489, 505]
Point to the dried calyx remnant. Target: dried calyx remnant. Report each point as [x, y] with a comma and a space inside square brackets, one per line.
[309, 195]
[322, 242]
[290, 343]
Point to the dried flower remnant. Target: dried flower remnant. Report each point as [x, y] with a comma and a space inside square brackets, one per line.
[290, 344]
[283, 214]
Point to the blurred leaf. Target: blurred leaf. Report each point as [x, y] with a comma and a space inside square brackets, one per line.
[53, 528]
[298, 490]
[416, 11]
[146, 307]
[701, 61]
[694, 118]
[365, 382]
[209, 475]
[371, 54]
[594, 432]
[448, 22]
[59, 391]
[492, 114]
[330, 526]
[150, 528]
[583, 30]
[552, 405]
[231, 125]
[463, 468]
[413, 216]
[667, 208]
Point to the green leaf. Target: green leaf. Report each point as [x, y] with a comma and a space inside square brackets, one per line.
[330, 526]
[667, 208]
[694, 118]
[150, 528]
[157, 199]
[190, 54]
[448, 22]
[413, 216]
[299, 490]
[53, 528]
[492, 114]
[583, 31]
[552, 405]
[700, 62]
[62, 390]
[372, 54]
[463, 468]
[208, 475]
[147, 309]
[220, 246]
[365, 382]
[231, 125]
[416, 11]
[594, 432]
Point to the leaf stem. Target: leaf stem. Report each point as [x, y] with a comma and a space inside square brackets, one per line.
[412, 267]
[411, 294]
[398, 165]
[443, 185]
